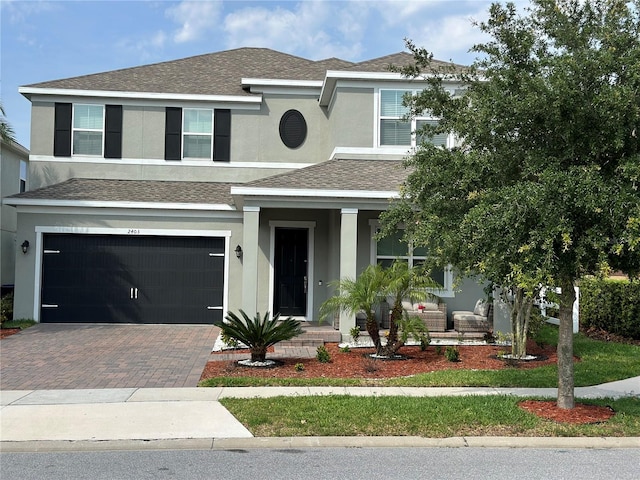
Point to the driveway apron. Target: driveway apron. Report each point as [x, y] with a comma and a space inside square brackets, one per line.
[75, 356]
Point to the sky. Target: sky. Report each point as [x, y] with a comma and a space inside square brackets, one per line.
[50, 40]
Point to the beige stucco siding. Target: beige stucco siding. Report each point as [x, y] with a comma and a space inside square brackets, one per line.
[143, 132]
[351, 117]
[42, 121]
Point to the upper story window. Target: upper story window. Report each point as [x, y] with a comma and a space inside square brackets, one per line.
[23, 176]
[88, 128]
[197, 133]
[395, 129]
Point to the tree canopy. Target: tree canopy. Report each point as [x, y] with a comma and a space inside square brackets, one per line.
[542, 185]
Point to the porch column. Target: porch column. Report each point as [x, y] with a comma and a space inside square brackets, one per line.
[250, 230]
[348, 257]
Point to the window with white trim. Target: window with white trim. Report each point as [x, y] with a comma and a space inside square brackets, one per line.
[197, 133]
[393, 247]
[23, 176]
[88, 129]
[395, 129]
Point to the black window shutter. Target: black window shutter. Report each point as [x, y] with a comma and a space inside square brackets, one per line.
[113, 131]
[173, 134]
[222, 135]
[62, 130]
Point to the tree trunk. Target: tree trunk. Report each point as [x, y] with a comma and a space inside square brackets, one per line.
[373, 331]
[566, 398]
[258, 354]
[393, 344]
[520, 315]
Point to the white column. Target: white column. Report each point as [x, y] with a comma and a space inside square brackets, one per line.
[251, 223]
[348, 257]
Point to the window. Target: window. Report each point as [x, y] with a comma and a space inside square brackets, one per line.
[197, 131]
[88, 126]
[393, 247]
[23, 176]
[193, 133]
[395, 130]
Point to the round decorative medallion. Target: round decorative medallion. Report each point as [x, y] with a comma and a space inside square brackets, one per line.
[293, 129]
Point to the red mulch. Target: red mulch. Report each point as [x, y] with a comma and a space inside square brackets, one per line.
[579, 414]
[5, 332]
[357, 363]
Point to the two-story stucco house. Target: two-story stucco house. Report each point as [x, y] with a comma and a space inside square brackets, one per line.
[178, 191]
[13, 179]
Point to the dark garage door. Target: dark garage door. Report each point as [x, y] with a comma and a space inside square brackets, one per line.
[132, 279]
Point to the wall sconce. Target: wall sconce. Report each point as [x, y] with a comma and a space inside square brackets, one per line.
[25, 246]
[238, 251]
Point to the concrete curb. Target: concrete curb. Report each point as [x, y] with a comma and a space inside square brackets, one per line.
[321, 442]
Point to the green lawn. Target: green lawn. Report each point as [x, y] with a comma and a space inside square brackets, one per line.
[428, 417]
[599, 362]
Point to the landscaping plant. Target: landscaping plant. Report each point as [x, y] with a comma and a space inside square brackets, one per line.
[259, 333]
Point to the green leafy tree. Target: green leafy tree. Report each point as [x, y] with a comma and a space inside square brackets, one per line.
[6, 131]
[259, 333]
[542, 187]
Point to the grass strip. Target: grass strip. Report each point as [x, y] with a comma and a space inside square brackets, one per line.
[435, 417]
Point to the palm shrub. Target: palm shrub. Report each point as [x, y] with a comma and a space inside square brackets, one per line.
[360, 295]
[259, 333]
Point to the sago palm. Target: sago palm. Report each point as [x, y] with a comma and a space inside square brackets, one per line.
[259, 333]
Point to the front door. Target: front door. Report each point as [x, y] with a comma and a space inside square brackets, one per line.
[290, 271]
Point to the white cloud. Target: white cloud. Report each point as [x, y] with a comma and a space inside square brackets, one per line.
[146, 47]
[19, 11]
[313, 29]
[195, 19]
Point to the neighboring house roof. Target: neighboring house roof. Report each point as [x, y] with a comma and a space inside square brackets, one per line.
[137, 191]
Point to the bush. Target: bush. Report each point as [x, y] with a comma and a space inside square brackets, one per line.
[611, 305]
[259, 333]
[452, 354]
[6, 308]
[322, 355]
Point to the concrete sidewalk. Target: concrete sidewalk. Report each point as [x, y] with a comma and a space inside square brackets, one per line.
[135, 418]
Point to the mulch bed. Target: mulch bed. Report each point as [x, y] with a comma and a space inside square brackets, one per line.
[580, 414]
[5, 332]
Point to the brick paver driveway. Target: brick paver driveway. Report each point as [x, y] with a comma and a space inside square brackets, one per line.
[59, 356]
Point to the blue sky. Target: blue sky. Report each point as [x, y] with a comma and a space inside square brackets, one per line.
[49, 40]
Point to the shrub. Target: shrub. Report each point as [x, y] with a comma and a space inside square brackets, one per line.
[611, 305]
[345, 349]
[322, 355]
[452, 354]
[6, 308]
[369, 364]
[299, 367]
[355, 334]
[259, 333]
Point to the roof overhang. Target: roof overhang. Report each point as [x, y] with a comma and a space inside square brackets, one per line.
[332, 77]
[42, 202]
[270, 85]
[28, 92]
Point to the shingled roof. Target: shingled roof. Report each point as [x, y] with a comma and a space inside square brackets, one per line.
[219, 73]
[338, 174]
[150, 191]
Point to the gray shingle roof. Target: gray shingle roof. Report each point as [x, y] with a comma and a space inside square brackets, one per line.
[366, 175]
[219, 73]
[85, 189]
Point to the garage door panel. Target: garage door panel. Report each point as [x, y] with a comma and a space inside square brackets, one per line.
[104, 278]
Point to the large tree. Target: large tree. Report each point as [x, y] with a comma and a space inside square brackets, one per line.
[542, 187]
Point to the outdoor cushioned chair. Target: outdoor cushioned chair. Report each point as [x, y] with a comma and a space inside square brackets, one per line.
[434, 315]
[478, 320]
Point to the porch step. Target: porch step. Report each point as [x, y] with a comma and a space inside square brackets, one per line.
[313, 337]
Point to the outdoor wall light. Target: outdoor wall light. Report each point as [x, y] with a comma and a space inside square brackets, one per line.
[238, 251]
[25, 246]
